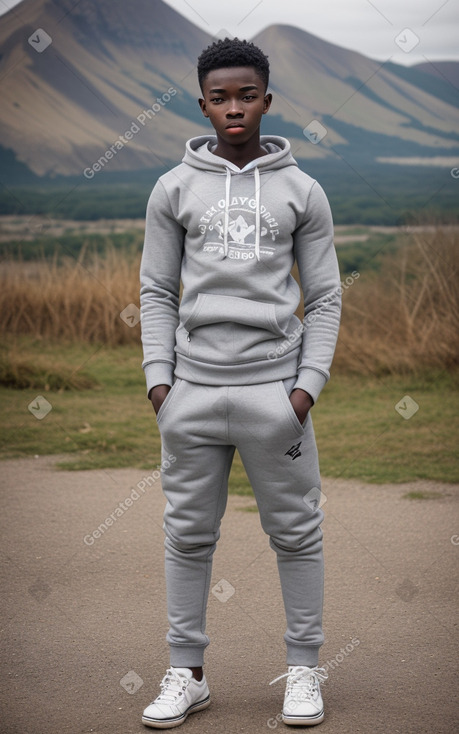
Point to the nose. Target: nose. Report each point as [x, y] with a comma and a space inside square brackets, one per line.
[235, 108]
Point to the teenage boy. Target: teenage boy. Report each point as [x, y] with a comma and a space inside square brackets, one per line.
[229, 365]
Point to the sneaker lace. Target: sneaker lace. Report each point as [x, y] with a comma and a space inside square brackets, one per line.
[303, 680]
[172, 686]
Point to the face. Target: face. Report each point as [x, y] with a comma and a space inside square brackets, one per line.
[234, 101]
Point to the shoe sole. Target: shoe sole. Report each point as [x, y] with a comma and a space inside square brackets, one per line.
[176, 721]
[303, 720]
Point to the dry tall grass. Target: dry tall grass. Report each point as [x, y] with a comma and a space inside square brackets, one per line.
[71, 301]
[406, 317]
[402, 319]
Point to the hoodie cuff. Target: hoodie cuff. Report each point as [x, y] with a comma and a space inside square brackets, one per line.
[158, 373]
[311, 381]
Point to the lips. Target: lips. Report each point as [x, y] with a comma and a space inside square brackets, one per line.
[237, 125]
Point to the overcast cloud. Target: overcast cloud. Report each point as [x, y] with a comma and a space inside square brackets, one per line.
[368, 26]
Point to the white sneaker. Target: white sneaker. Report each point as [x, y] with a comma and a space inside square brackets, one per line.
[181, 694]
[303, 705]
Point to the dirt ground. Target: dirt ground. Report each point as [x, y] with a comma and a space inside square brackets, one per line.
[84, 617]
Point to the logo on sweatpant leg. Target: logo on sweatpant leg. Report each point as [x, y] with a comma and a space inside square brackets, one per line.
[294, 451]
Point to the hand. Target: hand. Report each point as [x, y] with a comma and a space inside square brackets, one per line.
[157, 395]
[302, 403]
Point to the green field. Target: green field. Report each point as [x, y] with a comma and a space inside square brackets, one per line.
[368, 193]
[359, 433]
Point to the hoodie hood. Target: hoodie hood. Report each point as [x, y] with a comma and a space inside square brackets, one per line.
[198, 154]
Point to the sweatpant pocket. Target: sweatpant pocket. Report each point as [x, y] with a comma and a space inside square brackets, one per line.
[169, 398]
[284, 388]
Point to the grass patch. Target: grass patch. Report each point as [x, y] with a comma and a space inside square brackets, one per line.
[21, 373]
[359, 433]
[422, 496]
[370, 254]
[250, 508]
[110, 427]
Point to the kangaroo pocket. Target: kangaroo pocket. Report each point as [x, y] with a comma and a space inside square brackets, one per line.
[220, 329]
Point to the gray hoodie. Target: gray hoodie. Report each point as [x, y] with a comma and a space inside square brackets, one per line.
[232, 235]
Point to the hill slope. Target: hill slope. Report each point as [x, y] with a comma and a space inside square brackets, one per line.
[108, 61]
[369, 109]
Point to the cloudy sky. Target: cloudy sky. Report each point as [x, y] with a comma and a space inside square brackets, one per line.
[368, 26]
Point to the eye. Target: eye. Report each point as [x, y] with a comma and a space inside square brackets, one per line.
[217, 100]
[250, 96]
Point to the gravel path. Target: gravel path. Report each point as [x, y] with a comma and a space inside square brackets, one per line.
[84, 616]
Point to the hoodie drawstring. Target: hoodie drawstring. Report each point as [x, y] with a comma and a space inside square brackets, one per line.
[227, 203]
[257, 212]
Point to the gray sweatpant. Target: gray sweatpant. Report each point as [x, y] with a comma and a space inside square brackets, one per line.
[201, 426]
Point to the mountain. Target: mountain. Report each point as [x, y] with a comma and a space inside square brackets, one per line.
[76, 79]
[369, 109]
[445, 71]
[108, 61]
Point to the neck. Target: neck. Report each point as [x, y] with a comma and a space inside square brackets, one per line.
[241, 154]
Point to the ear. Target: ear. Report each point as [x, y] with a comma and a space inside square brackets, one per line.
[202, 104]
[267, 103]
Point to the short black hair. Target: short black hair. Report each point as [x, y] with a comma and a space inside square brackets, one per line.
[233, 52]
